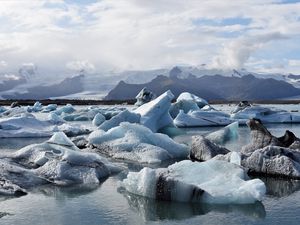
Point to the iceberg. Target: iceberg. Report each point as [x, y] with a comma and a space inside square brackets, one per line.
[190, 97]
[136, 143]
[203, 149]
[155, 114]
[65, 109]
[37, 107]
[2, 109]
[213, 181]
[124, 116]
[57, 161]
[199, 118]
[98, 119]
[228, 133]
[50, 108]
[245, 111]
[144, 96]
[27, 125]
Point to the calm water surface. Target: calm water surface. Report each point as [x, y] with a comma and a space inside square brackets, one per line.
[106, 204]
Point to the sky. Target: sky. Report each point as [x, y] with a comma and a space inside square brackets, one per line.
[116, 35]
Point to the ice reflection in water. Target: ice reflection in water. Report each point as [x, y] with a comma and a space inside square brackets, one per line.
[153, 210]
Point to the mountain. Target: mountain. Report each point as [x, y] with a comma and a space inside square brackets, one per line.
[66, 87]
[8, 82]
[244, 87]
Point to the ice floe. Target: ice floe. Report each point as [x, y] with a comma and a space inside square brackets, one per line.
[155, 114]
[137, 143]
[212, 181]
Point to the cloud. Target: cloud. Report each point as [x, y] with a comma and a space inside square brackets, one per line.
[235, 54]
[81, 65]
[139, 34]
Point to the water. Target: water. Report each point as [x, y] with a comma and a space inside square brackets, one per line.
[106, 204]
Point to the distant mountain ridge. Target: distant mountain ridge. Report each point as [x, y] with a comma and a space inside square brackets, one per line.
[212, 87]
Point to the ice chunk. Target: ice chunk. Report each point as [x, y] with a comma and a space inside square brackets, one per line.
[55, 119]
[60, 138]
[66, 109]
[190, 97]
[245, 111]
[228, 133]
[235, 157]
[212, 181]
[50, 107]
[2, 109]
[155, 114]
[184, 105]
[203, 149]
[124, 116]
[25, 125]
[136, 143]
[144, 96]
[59, 161]
[200, 118]
[98, 119]
[35, 108]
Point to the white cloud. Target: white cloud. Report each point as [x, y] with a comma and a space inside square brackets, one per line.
[81, 65]
[141, 34]
[237, 52]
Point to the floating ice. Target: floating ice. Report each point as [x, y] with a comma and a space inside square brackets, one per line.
[124, 116]
[184, 105]
[190, 97]
[245, 111]
[55, 119]
[155, 114]
[50, 108]
[144, 96]
[200, 118]
[136, 143]
[225, 134]
[98, 119]
[37, 107]
[57, 161]
[65, 109]
[26, 125]
[212, 181]
[2, 109]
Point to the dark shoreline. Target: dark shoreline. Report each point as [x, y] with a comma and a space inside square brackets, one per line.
[126, 102]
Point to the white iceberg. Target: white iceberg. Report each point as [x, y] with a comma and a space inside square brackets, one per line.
[124, 116]
[60, 162]
[155, 114]
[50, 108]
[137, 143]
[228, 133]
[201, 118]
[245, 111]
[191, 97]
[65, 109]
[2, 109]
[213, 181]
[37, 107]
[144, 96]
[98, 119]
[27, 125]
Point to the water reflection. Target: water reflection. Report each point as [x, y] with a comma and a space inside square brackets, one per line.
[66, 192]
[11, 144]
[152, 210]
[280, 187]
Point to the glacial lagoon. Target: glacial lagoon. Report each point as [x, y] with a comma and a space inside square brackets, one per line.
[108, 204]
